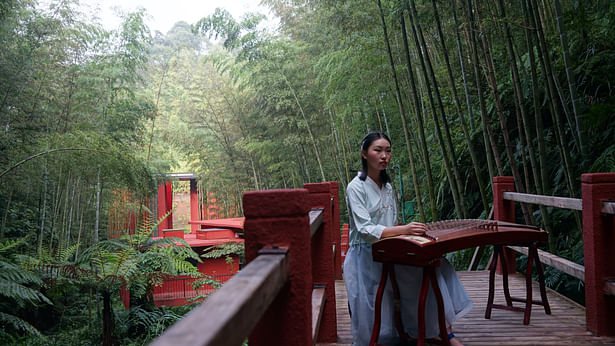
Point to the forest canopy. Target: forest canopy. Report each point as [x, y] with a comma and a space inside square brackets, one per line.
[466, 89]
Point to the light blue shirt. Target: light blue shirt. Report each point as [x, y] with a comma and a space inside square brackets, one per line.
[370, 210]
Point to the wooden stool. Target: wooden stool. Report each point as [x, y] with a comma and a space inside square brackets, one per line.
[498, 252]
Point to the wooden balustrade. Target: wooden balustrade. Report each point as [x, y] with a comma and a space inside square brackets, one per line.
[598, 210]
[286, 293]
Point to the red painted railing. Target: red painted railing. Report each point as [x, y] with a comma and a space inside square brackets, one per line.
[598, 211]
[178, 290]
[285, 295]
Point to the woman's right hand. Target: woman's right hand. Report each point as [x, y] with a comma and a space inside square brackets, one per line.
[416, 228]
[413, 228]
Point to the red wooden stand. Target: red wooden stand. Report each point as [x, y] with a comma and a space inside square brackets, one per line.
[498, 252]
[429, 275]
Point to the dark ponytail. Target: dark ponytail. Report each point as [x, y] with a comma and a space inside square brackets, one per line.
[367, 141]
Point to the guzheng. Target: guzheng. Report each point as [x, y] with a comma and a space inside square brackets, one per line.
[452, 235]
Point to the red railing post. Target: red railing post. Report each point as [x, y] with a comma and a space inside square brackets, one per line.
[162, 207]
[598, 247]
[337, 234]
[280, 218]
[323, 270]
[169, 197]
[504, 210]
[194, 205]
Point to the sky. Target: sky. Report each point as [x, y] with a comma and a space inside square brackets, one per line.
[165, 13]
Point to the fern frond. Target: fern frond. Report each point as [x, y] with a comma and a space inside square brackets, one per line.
[225, 249]
[20, 293]
[14, 273]
[8, 245]
[95, 251]
[18, 324]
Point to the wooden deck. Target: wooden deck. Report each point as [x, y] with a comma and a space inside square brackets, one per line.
[565, 326]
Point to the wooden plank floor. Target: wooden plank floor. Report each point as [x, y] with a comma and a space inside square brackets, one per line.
[565, 325]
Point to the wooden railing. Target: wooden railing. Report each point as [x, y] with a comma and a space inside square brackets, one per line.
[286, 293]
[598, 213]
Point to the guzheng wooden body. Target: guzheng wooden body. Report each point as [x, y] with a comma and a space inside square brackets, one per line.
[452, 235]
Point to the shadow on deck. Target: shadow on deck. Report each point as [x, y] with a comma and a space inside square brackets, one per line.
[565, 325]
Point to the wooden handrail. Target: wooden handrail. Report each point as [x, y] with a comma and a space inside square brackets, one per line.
[229, 314]
[571, 268]
[609, 287]
[318, 306]
[317, 216]
[608, 207]
[548, 201]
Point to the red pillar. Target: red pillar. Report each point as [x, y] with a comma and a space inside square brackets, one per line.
[194, 205]
[169, 197]
[323, 269]
[162, 207]
[504, 210]
[337, 234]
[280, 218]
[598, 246]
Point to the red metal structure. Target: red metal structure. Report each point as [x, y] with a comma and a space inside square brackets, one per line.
[178, 290]
[203, 234]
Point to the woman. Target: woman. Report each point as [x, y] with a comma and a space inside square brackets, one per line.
[373, 215]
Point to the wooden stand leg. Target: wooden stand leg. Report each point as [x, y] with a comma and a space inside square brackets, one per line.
[378, 304]
[528, 288]
[492, 266]
[541, 280]
[504, 266]
[440, 301]
[421, 316]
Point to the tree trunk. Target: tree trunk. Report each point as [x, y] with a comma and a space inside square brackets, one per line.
[541, 178]
[462, 120]
[523, 122]
[419, 121]
[547, 72]
[402, 115]
[97, 218]
[462, 65]
[500, 111]
[307, 124]
[449, 141]
[70, 213]
[569, 77]
[488, 139]
[44, 210]
[445, 158]
[6, 213]
[108, 339]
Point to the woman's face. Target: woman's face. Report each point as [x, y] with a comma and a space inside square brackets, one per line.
[378, 155]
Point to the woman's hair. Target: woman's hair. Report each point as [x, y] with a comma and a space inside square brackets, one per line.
[367, 141]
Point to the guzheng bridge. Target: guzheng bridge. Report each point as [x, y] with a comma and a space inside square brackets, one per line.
[291, 292]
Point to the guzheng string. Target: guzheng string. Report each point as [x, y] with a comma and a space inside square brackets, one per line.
[463, 224]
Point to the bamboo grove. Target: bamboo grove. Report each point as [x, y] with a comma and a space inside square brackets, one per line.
[466, 89]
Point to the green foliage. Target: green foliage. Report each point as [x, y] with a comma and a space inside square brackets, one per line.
[225, 249]
[19, 289]
[149, 324]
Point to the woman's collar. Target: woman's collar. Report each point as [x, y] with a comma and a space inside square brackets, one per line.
[374, 183]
